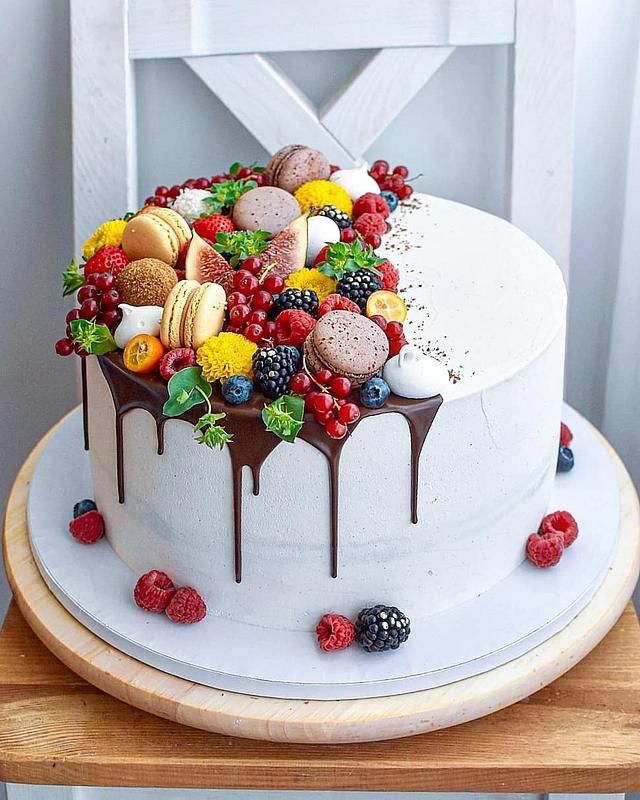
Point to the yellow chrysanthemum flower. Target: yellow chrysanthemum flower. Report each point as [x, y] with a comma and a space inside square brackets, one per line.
[312, 279]
[315, 194]
[225, 355]
[109, 234]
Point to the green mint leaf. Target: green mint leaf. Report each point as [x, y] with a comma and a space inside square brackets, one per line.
[187, 389]
[96, 339]
[72, 278]
[233, 169]
[284, 417]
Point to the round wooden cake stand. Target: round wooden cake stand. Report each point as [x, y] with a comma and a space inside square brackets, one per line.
[315, 721]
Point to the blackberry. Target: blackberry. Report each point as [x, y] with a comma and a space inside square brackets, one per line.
[382, 628]
[298, 300]
[342, 219]
[358, 285]
[273, 368]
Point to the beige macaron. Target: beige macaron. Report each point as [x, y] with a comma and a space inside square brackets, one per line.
[192, 314]
[156, 233]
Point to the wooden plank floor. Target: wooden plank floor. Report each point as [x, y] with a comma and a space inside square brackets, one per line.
[581, 734]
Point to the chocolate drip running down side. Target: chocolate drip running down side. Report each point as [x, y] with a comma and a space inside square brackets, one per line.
[85, 404]
[252, 443]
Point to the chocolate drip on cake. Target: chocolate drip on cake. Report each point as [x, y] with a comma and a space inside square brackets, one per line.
[252, 443]
[85, 402]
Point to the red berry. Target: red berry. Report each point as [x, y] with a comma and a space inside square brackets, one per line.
[396, 182]
[322, 417]
[186, 606]
[370, 223]
[238, 314]
[189, 184]
[394, 330]
[404, 192]
[381, 164]
[73, 315]
[566, 437]
[258, 177]
[244, 281]
[370, 203]
[300, 383]
[349, 413]
[89, 309]
[322, 255]
[336, 429]
[258, 317]
[396, 345]
[401, 170]
[336, 302]
[209, 227]
[293, 327]
[153, 591]
[174, 191]
[87, 528]
[560, 523]
[237, 299]
[273, 284]
[262, 300]
[104, 281]
[373, 240]
[202, 183]
[86, 293]
[252, 264]
[161, 191]
[333, 168]
[322, 403]
[309, 399]
[64, 347]
[254, 333]
[106, 259]
[323, 376]
[269, 330]
[243, 172]
[175, 360]
[390, 276]
[340, 387]
[233, 329]
[348, 235]
[385, 185]
[335, 632]
[150, 201]
[380, 321]
[544, 551]
[110, 299]
[111, 317]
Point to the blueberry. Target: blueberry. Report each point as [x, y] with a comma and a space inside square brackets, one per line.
[237, 389]
[391, 199]
[374, 393]
[565, 459]
[82, 507]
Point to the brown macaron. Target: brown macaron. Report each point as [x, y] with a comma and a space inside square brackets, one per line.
[156, 233]
[265, 208]
[348, 344]
[192, 314]
[146, 282]
[296, 164]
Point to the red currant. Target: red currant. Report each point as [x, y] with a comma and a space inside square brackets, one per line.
[348, 235]
[104, 281]
[111, 317]
[396, 345]
[238, 314]
[273, 284]
[309, 399]
[73, 315]
[160, 201]
[380, 321]
[202, 183]
[161, 191]
[189, 184]
[385, 185]
[150, 201]
[233, 329]
[349, 413]
[397, 182]
[269, 329]
[262, 300]
[64, 347]
[335, 429]
[243, 172]
[252, 264]
[244, 281]
[394, 330]
[322, 417]
[323, 376]
[373, 240]
[340, 387]
[322, 403]
[89, 309]
[401, 170]
[404, 192]
[236, 299]
[174, 191]
[258, 177]
[381, 165]
[258, 317]
[218, 179]
[110, 299]
[253, 333]
[300, 383]
[86, 293]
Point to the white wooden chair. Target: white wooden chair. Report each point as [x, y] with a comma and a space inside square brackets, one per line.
[224, 43]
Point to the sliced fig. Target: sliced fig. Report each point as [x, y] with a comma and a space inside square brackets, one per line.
[287, 251]
[204, 263]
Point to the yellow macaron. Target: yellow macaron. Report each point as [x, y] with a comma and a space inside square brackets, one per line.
[156, 233]
[193, 313]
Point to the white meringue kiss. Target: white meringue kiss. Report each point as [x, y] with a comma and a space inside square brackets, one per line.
[321, 231]
[415, 375]
[355, 182]
[135, 320]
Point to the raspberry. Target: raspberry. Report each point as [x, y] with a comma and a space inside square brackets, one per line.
[210, 227]
[186, 606]
[370, 223]
[153, 591]
[87, 528]
[175, 360]
[107, 259]
[566, 437]
[335, 632]
[389, 275]
[293, 327]
[370, 203]
[336, 302]
[544, 551]
[560, 523]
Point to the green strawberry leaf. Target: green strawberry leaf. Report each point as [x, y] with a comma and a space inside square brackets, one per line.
[210, 433]
[238, 245]
[342, 258]
[96, 339]
[225, 195]
[72, 278]
[187, 389]
[284, 417]
[233, 169]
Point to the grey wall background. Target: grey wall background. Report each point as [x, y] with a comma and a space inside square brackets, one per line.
[454, 133]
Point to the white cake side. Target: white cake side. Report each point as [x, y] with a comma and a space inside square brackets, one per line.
[488, 302]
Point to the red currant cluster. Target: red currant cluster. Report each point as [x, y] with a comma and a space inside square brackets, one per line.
[394, 332]
[393, 181]
[163, 194]
[326, 397]
[98, 302]
[249, 304]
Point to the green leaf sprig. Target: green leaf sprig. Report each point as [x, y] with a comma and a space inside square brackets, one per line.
[284, 417]
[236, 166]
[342, 258]
[94, 338]
[210, 432]
[187, 389]
[72, 278]
[225, 195]
[238, 245]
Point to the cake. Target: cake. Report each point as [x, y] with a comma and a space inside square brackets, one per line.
[390, 370]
